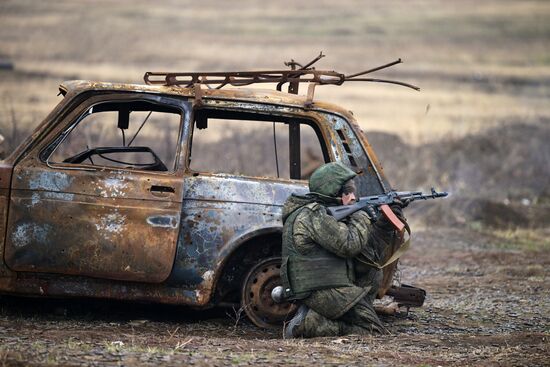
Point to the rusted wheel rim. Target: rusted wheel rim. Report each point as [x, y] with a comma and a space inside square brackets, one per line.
[256, 295]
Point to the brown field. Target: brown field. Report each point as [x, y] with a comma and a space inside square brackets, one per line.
[480, 127]
[479, 64]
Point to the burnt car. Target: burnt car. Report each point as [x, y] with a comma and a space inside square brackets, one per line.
[171, 191]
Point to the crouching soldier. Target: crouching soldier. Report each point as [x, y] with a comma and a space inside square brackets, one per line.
[319, 255]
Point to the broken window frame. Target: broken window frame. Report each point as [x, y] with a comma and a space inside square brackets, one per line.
[356, 156]
[273, 116]
[71, 120]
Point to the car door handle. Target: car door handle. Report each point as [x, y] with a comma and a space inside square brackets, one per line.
[162, 191]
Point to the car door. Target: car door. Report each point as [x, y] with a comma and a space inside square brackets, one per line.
[98, 200]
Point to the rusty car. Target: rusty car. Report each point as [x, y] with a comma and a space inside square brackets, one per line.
[165, 192]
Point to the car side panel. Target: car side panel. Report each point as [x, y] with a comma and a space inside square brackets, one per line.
[89, 224]
[218, 210]
[89, 220]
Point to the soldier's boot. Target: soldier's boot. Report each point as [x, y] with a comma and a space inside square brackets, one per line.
[291, 330]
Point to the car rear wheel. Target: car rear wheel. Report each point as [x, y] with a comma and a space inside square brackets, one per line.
[256, 295]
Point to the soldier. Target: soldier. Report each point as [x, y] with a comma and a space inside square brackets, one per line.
[319, 258]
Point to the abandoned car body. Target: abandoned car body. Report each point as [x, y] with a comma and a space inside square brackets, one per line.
[88, 211]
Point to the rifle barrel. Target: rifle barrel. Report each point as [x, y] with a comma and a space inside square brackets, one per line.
[341, 212]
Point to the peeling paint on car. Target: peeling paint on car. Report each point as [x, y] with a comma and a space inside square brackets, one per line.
[58, 196]
[52, 181]
[112, 223]
[35, 198]
[164, 221]
[27, 233]
[113, 187]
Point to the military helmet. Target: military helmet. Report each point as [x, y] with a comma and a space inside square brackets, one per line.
[328, 179]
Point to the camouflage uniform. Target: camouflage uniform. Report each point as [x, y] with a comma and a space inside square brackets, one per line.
[318, 260]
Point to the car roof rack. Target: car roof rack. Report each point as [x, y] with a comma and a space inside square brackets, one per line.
[295, 76]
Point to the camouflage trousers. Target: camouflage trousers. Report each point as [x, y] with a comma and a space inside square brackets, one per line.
[361, 319]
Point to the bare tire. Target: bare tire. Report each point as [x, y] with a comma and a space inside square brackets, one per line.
[256, 295]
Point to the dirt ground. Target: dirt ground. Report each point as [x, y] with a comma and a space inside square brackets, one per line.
[487, 304]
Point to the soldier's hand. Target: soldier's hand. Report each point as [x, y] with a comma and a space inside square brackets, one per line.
[397, 207]
[400, 203]
[371, 212]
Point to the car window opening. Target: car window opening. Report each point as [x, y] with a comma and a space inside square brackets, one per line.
[252, 144]
[99, 137]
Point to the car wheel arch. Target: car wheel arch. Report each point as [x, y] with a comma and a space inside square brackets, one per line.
[238, 256]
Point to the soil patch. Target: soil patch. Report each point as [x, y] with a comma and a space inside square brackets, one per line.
[486, 305]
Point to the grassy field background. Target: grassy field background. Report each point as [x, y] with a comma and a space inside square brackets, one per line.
[479, 64]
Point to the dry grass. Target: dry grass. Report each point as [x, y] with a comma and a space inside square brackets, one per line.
[479, 64]
[525, 239]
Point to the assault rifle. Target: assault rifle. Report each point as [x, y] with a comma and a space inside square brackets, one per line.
[381, 202]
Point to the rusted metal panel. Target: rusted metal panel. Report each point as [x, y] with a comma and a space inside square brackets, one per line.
[67, 286]
[5, 179]
[50, 234]
[94, 221]
[5, 176]
[218, 211]
[263, 98]
[105, 225]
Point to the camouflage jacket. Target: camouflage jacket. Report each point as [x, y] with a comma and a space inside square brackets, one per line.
[318, 251]
[318, 256]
